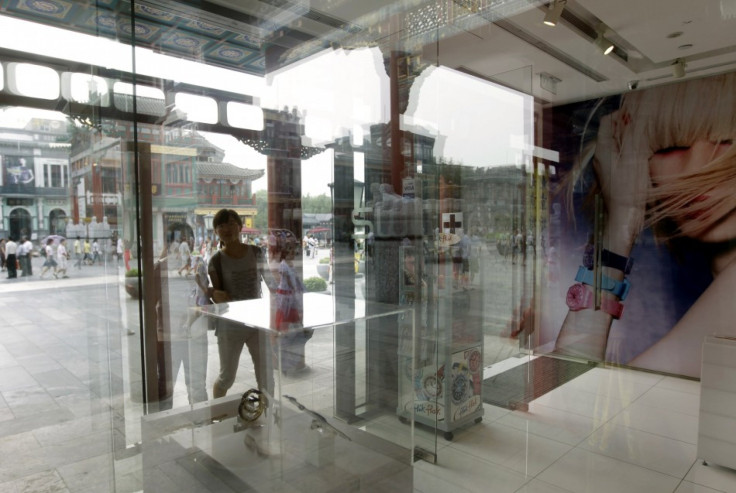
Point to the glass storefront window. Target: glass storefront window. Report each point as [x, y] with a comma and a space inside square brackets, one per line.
[392, 166]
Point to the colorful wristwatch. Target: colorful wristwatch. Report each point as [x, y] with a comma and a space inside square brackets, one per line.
[580, 297]
[610, 259]
[619, 289]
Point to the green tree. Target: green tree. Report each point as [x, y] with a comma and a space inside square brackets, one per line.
[321, 204]
[261, 219]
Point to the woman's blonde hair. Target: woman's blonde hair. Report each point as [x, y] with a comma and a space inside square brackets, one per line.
[677, 115]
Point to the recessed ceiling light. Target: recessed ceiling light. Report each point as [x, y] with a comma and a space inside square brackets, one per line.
[555, 11]
[604, 44]
[678, 68]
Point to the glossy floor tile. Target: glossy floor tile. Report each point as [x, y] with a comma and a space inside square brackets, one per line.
[63, 404]
[610, 430]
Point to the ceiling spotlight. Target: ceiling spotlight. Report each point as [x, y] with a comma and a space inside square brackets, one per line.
[555, 11]
[678, 69]
[603, 43]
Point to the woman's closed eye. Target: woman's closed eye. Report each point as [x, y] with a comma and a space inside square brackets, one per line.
[671, 149]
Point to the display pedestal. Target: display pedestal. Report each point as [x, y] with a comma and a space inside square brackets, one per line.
[717, 425]
[445, 390]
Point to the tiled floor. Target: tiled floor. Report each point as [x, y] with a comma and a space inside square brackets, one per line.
[65, 410]
[609, 430]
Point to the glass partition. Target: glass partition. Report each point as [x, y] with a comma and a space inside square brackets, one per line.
[368, 162]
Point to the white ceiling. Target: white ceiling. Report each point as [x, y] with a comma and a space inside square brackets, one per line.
[641, 30]
[506, 41]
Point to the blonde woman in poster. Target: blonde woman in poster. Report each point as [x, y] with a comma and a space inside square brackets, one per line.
[665, 159]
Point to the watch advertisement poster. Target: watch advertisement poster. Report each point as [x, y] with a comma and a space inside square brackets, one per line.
[466, 381]
[660, 164]
[18, 173]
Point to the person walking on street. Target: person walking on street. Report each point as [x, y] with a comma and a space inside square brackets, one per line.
[62, 258]
[126, 255]
[119, 249]
[312, 246]
[11, 249]
[95, 251]
[50, 260]
[87, 252]
[25, 249]
[185, 254]
[78, 253]
[22, 256]
[2, 254]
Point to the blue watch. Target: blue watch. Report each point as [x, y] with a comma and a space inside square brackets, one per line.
[617, 288]
[609, 259]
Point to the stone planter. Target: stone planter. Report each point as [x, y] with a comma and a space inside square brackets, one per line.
[131, 284]
[324, 271]
[131, 287]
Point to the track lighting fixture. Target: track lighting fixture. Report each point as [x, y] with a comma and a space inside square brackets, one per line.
[678, 69]
[603, 43]
[555, 11]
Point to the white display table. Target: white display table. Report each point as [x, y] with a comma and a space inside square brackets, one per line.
[206, 446]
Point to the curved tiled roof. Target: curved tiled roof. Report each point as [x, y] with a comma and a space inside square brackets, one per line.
[226, 171]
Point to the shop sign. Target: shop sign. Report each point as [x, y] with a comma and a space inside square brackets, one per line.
[103, 198]
[175, 217]
[19, 202]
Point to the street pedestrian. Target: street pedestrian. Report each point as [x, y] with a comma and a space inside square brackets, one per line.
[95, 251]
[11, 249]
[62, 258]
[78, 253]
[87, 252]
[50, 260]
[119, 249]
[312, 246]
[185, 254]
[26, 250]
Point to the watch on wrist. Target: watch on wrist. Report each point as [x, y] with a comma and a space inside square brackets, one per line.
[610, 259]
[619, 289]
[579, 297]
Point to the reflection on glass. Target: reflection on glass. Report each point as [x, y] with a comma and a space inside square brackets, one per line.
[33, 81]
[197, 108]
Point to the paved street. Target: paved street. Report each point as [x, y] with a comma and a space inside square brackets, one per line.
[71, 355]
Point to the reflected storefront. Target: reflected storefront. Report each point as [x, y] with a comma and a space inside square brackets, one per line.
[458, 199]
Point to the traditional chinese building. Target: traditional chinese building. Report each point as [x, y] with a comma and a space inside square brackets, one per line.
[34, 179]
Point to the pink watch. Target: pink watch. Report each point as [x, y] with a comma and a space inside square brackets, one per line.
[580, 297]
